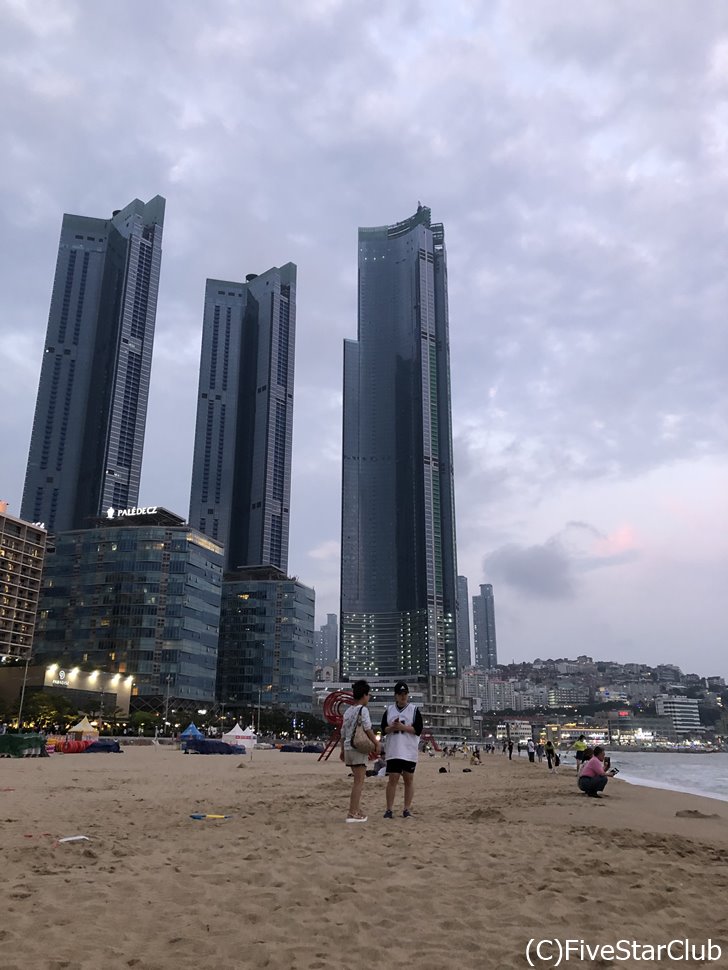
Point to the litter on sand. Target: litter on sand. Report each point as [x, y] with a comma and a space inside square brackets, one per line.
[200, 815]
[75, 838]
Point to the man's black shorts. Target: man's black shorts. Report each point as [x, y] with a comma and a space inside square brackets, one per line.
[395, 766]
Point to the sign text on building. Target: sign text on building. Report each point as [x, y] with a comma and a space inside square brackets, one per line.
[112, 513]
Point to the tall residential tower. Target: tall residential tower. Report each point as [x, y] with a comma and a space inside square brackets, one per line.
[463, 623]
[398, 559]
[486, 653]
[90, 414]
[241, 473]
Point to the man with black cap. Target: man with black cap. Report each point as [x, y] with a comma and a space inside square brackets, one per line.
[402, 726]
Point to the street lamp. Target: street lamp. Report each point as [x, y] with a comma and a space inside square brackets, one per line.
[166, 702]
[260, 691]
[22, 690]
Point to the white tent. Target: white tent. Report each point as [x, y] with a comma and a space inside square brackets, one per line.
[241, 736]
[84, 729]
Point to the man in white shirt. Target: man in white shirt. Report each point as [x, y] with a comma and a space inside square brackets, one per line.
[402, 726]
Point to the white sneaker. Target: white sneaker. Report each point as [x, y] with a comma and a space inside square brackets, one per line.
[362, 818]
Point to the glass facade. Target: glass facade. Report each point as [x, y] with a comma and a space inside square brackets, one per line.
[241, 472]
[90, 415]
[486, 651]
[266, 640]
[398, 558]
[139, 599]
[463, 623]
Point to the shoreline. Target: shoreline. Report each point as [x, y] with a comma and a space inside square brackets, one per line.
[662, 786]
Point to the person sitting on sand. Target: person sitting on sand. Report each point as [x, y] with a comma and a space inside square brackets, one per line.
[357, 760]
[593, 777]
[378, 768]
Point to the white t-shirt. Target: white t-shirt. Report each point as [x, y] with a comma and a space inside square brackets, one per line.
[350, 716]
[401, 744]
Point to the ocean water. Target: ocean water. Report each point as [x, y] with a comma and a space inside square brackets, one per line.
[697, 774]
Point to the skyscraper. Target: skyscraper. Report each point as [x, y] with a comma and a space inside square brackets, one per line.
[241, 473]
[90, 414]
[326, 642]
[486, 653]
[398, 559]
[463, 623]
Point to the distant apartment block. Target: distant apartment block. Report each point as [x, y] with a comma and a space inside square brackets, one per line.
[565, 695]
[683, 711]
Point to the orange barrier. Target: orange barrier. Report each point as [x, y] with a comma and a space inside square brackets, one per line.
[72, 747]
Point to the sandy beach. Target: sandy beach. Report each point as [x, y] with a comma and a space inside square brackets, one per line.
[491, 859]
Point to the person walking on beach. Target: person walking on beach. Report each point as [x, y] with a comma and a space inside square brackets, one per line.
[510, 750]
[357, 760]
[402, 725]
[531, 750]
[551, 756]
[580, 747]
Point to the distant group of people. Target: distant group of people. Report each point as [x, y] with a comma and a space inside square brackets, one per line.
[402, 726]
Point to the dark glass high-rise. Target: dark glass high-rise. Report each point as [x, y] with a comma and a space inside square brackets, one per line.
[241, 473]
[398, 549]
[90, 415]
[463, 623]
[486, 647]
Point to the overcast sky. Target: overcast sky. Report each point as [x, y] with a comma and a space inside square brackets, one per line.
[577, 155]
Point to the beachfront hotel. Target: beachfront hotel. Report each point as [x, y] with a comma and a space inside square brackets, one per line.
[90, 414]
[398, 558]
[138, 595]
[22, 551]
[241, 470]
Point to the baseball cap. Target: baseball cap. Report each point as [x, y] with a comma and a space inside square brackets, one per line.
[401, 688]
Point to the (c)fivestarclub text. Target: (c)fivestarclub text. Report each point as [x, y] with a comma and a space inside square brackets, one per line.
[552, 953]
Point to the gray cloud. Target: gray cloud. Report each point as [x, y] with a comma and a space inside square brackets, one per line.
[577, 158]
[551, 570]
[540, 571]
